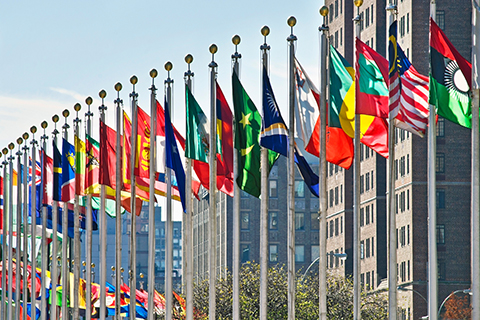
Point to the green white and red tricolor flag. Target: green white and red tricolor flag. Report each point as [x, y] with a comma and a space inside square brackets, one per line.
[450, 79]
[371, 78]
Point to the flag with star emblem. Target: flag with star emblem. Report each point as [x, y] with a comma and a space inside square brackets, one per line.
[248, 124]
[68, 171]
[57, 174]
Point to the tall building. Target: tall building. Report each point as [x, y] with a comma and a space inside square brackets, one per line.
[452, 164]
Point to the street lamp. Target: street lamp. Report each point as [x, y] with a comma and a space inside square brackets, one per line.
[341, 256]
[465, 291]
[402, 288]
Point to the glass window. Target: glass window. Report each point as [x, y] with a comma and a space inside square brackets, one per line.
[315, 252]
[367, 17]
[367, 181]
[440, 20]
[336, 227]
[245, 252]
[440, 124]
[272, 188]
[362, 252]
[367, 215]
[331, 198]
[300, 253]
[371, 16]
[273, 221]
[336, 8]
[367, 248]
[336, 195]
[440, 163]
[299, 221]
[244, 195]
[371, 179]
[373, 246]
[440, 234]
[440, 199]
[362, 183]
[331, 12]
[299, 189]
[331, 228]
[341, 36]
[245, 221]
[441, 270]
[362, 217]
[314, 222]
[273, 253]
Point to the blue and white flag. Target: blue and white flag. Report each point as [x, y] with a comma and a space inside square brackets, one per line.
[310, 178]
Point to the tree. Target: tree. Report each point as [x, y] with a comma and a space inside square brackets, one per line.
[458, 308]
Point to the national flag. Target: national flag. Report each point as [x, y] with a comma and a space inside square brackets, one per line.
[108, 158]
[274, 134]
[373, 130]
[57, 174]
[393, 80]
[173, 156]
[371, 79]
[142, 157]
[80, 151]
[1, 203]
[197, 145]
[38, 173]
[92, 165]
[450, 79]
[248, 124]
[47, 179]
[68, 171]
[307, 114]
[309, 177]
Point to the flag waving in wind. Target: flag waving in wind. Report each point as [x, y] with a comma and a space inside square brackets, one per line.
[68, 171]
[57, 174]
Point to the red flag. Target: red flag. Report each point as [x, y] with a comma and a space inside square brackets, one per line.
[108, 159]
[47, 179]
[1, 203]
[142, 157]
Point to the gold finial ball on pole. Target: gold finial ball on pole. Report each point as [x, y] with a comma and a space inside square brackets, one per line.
[25, 136]
[5, 151]
[55, 118]
[65, 113]
[323, 11]
[93, 265]
[141, 275]
[121, 269]
[44, 125]
[19, 140]
[113, 268]
[153, 73]
[265, 31]
[358, 3]
[89, 101]
[213, 48]
[33, 129]
[133, 79]
[236, 39]
[84, 263]
[11, 146]
[168, 66]
[292, 21]
[118, 86]
[59, 259]
[77, 107]
[189, 58]
[102, 94]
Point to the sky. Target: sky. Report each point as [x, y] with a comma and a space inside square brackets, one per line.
[54, 54]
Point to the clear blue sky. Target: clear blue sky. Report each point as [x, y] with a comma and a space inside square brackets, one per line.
[56, 53]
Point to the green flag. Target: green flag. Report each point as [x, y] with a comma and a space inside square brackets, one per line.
[248, 124]
[197, 142]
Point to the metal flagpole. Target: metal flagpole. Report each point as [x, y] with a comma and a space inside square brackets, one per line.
[11, 146]
[76, 227]
[212, 161]
[18, 227]
[65, 245]
[25, 225]
[322, 214]
[168, 222]
[33, 215]
[133, 204]
[5, 258]
[88, 237]
[392, 225]
[55, 257]
[151, 204]
[432, 204]
[118, 208]
[356, 192]
[236, 208]
[102, 221]
[475, 298]
[44, 266]
[291, 172]
[188, 225]
[264, 200]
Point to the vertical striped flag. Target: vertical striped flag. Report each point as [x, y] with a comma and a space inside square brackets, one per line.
[68, 171]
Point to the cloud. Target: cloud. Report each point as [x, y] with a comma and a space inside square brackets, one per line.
[73, 94]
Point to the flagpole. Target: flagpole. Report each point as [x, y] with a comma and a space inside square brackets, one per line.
[392, 224]
[88, 240]
[236, 208]
[188, 225]
[356, 192]
[54, 266]
[25, 225]
[475, 298]
[291, 172]
[118, 208]
[5, 258]
[76, 226]
[322, 263]
[432, 204]
[265, 31]
[169, 222]
[151, 204]
[18, 227]
[65, 240]
[102, 221]
[33, 216]
[133, 203]
[11, 146]
[44, 266]
[212, 161]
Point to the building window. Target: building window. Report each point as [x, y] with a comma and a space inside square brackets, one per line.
[368, 280]
[408, 163]
[441, 127]
[314, 222]
[396, 203]
[367, 248]
[440, 234]
[371, 15]
[245, 222]
[273, 253]
[300, 253]
[408, 199]
[330, 259]
[373, 246]
[373, 280]
[362, 183]
[341, 36]
[440, 163]
[273, 221]
[331, 197]
[408, 234]
[440, 199]
[336, 195]
[336, 39]
[440, 19]
[373, 221]
[362, 217]
[336, 227]
[361, 152]
[367, 181]
[441, 270]
[330, 169]
[371, 178]
[403, 237]
[396, 169]
[367, 215]
[408, 22]
[299, 189]
[341, 225]
[272, 189]
[331, 228]
[331, 12]
[299, 221]
[341, 6]
[315, 252]
[362, 247]
[245, 252]
[341, 193]
[367, 17]
[336, 8]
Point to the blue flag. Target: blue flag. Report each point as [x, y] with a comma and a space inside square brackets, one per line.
[310, 178]
[173, 160]
[274, 131]
[57, 174]
[68, 171]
